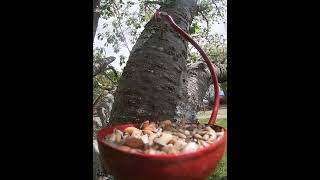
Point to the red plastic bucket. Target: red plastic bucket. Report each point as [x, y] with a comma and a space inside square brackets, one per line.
[191, 166]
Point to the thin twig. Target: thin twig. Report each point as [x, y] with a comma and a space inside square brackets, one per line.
[205, 18]
[153, 2]
[202, 8]
[217, 8]
[149, 10]
[100, 67]
[113, 70]
[96, 102]
[120, 27]
[154, 7]
[109, 77]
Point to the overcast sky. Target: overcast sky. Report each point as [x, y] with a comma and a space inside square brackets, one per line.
[218, 28]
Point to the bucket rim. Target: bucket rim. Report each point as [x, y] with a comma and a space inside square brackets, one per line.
[166, 157]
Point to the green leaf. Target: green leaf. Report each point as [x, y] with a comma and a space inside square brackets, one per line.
[195, 28]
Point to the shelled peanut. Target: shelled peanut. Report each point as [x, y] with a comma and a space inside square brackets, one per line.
[164, 137]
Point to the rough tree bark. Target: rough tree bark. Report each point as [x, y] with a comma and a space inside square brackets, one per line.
[96, 16]
[224, 87]
[103, 65]
[155, 80]
[198, 82]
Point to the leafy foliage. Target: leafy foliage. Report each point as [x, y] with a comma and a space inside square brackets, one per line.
[195, 28]
[124, 21]
[105, 80]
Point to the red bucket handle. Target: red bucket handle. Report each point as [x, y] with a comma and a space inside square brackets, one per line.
[214, 77]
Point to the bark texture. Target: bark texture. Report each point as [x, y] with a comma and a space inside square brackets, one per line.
[96, 16]
[199, 80]
[153, 84]
[103, 65]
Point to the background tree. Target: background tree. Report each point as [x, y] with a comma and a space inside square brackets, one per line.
[153, 65]
[164, 76]
[126, 25]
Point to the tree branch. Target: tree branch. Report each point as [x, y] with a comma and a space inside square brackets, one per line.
[198, 81]
[106, 75]
[102, 65]
[96, 16]
[104, 107]
[219, 12]
[96, 102]
[205, 18]
[221, 71]
[120, 27]
[153, 2]
[201, 8]
[113, 70]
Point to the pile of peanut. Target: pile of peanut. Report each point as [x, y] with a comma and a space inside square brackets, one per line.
[164, 137]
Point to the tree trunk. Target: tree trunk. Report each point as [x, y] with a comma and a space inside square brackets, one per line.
[198, 83]
[224, 87]
[153, 84]
[96, 16]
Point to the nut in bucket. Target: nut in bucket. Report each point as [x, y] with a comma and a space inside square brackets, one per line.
[165, 150]
[161, 156]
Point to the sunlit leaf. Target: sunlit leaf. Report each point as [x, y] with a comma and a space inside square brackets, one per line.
[195, 28]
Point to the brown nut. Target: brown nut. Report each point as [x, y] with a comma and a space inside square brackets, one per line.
[137, 133]
[150, 127]
[186, 132]
[168, 128]
[124, 148]
[181, 130]
[202, 132]
[172, 141]
[206, 137]
[145, 139]
[190, 147]
[181, 135]
[166, 123]
[194, 131]
[198, 136]
[133, 151]
[134, 142]
[144, 124]
[213, 138]
[112, 138]
[147, 132]
[129, 130]
[203, 143]
[118, 135]
[187, 126]
[194, 125]
[164, 139]
[151, 152]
